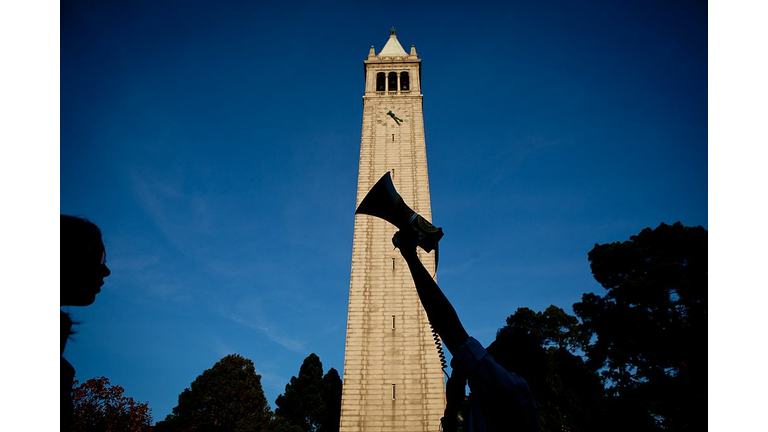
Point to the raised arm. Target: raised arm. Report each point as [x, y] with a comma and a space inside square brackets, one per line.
[439, 310]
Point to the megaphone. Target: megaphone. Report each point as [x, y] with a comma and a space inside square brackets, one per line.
[384, 202]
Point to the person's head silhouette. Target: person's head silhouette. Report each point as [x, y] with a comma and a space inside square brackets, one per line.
[83, 261]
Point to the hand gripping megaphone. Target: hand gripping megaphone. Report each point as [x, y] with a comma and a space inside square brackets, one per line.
[384, 202]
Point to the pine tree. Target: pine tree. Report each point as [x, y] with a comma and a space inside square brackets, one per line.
[312, 401]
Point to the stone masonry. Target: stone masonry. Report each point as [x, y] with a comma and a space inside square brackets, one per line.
[393, 380]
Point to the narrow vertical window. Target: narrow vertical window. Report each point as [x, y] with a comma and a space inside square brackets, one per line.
[393, 322]
[392, 82]
[393, 392]
[380, 82]
[393, 137]
[405, 82]
[393, 263]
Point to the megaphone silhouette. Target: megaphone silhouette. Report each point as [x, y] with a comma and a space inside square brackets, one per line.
[384, 202]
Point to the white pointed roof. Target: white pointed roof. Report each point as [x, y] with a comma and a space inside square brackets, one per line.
[392, 47]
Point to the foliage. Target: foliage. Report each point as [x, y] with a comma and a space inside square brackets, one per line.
[226, 397]
[302, 402]
[553, 327]
[312, 401]
[279, 424]
[100, 406]
[650, 328]
[332, 399]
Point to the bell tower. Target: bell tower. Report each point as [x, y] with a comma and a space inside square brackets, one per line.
[392, 366]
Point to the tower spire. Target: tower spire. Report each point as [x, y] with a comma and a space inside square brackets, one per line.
[392, 47]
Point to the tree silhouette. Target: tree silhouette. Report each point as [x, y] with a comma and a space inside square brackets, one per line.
[650, 328]
[332, 400]
[226, 397]
[100, 406]
[553, 327]
[279, 424]
[312, 402]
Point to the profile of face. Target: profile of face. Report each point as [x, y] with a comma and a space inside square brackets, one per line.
[83, 262]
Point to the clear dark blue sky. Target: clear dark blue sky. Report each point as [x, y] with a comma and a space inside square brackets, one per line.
[216, 144]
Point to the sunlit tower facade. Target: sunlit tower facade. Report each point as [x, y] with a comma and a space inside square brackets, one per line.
[393, 380]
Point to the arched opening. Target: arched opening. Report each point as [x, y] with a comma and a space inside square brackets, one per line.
[380, 84]
[392, 84]
[405, 83]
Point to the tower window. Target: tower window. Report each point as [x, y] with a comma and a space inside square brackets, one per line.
[392, 84]
[380, 84]
[393, 392]
[405, 82]
[393, 322]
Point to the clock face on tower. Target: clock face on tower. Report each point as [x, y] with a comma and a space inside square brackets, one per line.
[392, 116]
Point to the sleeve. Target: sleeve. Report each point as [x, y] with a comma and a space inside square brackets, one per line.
[494, 383]
[469, 356]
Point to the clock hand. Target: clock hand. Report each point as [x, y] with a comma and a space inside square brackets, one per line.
[394, 117]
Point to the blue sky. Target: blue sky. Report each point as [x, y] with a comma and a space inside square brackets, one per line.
[216, 145]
